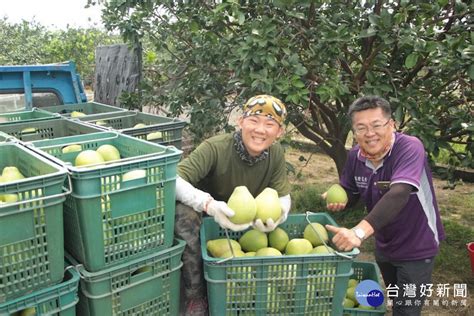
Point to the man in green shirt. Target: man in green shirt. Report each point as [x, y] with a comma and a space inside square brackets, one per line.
[249, 157]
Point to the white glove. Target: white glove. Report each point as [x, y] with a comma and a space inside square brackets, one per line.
[187, 194]
[270, 225]
[221, 213]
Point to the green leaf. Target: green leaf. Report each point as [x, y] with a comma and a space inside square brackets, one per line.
[374, 19]
[270, 60]
[470, 71]
[368, 32]
[298, 84]
[241, 18]
[443, 2]
[411, 60]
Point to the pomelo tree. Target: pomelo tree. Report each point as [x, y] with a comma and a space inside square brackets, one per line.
[206, 57]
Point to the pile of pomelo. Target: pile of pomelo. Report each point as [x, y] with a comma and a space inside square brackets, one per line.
[276, 243]
[87, 157]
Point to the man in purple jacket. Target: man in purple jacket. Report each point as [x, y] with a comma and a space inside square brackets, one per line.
[390, 172]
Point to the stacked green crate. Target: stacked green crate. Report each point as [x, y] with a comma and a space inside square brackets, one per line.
[279, 285]
[110, 220]
[47, 129]
[148, 285]
[31, 222]
[151, 127]
[59, 299]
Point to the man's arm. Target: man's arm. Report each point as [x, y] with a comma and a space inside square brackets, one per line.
[387, 208]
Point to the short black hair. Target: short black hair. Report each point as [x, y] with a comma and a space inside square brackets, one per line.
[370, 102]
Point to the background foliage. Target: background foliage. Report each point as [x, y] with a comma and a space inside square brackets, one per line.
[28, 42]
[207, 57]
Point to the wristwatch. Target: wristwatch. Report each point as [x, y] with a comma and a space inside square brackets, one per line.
[359, 232]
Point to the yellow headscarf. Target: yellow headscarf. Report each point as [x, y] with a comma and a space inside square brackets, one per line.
[266, 105]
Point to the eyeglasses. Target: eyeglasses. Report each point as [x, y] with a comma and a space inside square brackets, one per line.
[377, 128]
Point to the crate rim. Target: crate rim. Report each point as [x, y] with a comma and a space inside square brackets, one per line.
[57, 288]
[88, 103]
[62, 120]
[118, 269]
[174, 123]
[51, 116]
[34, 109]
[59, 169]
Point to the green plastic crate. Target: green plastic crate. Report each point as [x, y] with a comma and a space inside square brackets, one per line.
[166, 131]
[26, 116]
[146, 286]
[60, 299]
[51, 129]
[279, 285]
[31, 238]
[90, 109]
[366, 271]
[108, 221]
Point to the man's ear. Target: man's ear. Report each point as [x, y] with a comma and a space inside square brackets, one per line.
[393, 124]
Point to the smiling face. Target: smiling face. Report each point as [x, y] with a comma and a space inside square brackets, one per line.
[373, 130]
[258, 133]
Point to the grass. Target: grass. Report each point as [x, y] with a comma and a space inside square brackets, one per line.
[452, 265]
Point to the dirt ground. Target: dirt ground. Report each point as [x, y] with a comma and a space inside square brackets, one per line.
[319, 168]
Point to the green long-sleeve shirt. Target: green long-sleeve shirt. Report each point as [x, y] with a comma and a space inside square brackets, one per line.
[216, 168]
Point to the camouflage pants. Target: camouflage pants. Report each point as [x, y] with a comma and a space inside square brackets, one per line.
[186, 227]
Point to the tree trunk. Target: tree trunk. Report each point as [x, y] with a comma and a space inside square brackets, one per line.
[333, 146]
[339, 155]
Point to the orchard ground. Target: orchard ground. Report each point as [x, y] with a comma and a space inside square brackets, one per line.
[315, 172]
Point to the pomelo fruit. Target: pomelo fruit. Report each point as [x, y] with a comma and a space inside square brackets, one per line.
[101, 123]
[352, 283]
[109, 152]
[77, 114]
[253, 240]
[154, 135]
[88, 157]
[228, 253]
[71, 148]
[28, 130]
[278, 239]
[268, 205]
[313, 237]
[243, 204]
[348, 303]
[336, 194]
[11, 173]
[321, 249]
[134, 174]
[268, 251]
[298, 246]
[350, 293]
[217, 247]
